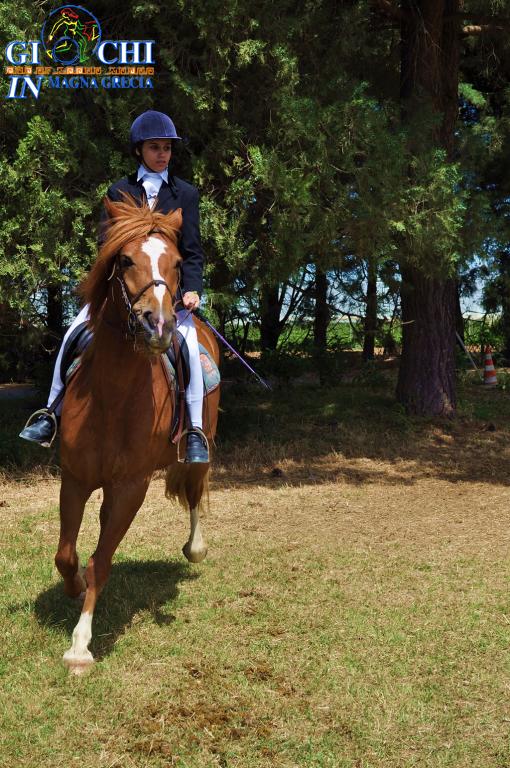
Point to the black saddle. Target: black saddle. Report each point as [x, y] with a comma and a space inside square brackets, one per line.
[75, 346]
[182, 357]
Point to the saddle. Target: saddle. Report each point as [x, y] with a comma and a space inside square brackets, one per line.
[175, 364]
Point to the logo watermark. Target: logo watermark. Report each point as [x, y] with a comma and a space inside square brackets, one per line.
[71, 38]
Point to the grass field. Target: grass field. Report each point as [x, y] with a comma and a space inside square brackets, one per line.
[353, 612]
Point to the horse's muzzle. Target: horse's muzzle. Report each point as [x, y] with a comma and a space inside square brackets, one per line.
[157, 332]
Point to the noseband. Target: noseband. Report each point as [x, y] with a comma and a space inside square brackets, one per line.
[132, 319]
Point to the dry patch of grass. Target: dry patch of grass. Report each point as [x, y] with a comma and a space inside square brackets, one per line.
[353, 611]
[334, 624]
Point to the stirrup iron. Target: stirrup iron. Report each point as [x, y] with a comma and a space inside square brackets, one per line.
[43, 412]
[198, 431]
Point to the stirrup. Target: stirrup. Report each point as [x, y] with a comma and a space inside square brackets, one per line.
[51, 415]
[201, 433]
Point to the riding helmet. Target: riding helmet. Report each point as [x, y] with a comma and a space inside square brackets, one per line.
[152, 125]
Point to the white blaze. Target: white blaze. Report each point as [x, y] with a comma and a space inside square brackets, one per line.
[154, 247]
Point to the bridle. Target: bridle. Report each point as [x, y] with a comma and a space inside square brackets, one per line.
[132, 319]
[133, 323]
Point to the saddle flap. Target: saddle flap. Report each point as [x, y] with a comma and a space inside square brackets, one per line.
[181, 358]
[75, 346]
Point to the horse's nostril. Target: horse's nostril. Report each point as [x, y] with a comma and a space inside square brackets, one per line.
[149, 318]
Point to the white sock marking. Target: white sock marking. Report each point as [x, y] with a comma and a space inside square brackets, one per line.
[82, 635]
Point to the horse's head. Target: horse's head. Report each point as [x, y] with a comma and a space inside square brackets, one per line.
[147, 270]
[140, 261]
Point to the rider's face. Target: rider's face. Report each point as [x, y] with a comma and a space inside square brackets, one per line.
[156, 154]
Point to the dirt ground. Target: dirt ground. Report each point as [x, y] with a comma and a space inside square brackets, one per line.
[353, 610]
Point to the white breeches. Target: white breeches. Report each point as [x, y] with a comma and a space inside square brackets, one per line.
[56, 383]
[195, 390]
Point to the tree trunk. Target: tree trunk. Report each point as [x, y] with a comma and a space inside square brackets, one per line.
[244, 340]
[459, 319]
[320, 325]
[321, 312]
[429, 85]
[426, 383]
[220, 281]
[55, 315]
[270, 308]
[504, 295]
[370, 326]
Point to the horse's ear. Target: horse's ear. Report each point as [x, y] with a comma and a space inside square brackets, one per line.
[109, 206]
[174, 218]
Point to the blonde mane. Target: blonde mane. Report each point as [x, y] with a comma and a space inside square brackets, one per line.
[127, 221]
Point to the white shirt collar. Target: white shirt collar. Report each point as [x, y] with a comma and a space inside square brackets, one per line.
[143, 171]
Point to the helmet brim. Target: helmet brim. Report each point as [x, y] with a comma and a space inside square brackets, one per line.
[162, 138]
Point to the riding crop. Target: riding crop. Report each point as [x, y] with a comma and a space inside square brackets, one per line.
[231, 348]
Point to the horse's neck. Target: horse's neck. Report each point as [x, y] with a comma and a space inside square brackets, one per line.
[116, 365]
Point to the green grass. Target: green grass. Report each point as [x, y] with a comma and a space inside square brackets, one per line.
[299, 337]
[282, 649]
[353, 611]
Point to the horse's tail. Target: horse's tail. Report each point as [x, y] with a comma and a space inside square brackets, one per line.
[188, 484]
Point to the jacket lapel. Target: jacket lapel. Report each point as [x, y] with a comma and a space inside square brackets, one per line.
[135, 188]
[166, 197]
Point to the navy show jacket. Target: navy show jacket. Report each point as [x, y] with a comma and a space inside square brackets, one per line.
[176, 194]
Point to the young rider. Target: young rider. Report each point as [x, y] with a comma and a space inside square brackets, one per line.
[152, 134]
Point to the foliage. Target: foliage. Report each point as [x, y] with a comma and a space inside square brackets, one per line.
[295, 139]
[43, 242]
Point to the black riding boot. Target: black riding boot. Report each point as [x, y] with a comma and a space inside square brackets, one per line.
[197, 447]
[41, 428]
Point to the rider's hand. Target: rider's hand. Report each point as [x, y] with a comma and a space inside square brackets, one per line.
[191, 300]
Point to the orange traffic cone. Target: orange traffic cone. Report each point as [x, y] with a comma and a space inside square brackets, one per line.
[489, 372]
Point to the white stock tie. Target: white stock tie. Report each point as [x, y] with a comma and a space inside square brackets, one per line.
[152, 187]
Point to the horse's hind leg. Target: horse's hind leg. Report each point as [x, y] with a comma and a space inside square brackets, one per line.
[73, 498]
[196, 484]
[120, 506]
[195, 548]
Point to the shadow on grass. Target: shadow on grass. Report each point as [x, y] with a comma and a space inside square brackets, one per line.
[352, 431]
[355, 432]
[134, 587]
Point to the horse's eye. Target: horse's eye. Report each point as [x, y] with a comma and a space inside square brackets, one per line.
[125, 262]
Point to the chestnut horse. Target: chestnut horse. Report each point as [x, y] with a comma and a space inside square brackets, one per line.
[117, 411]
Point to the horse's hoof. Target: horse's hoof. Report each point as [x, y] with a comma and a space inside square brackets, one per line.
[195, 554]
[78, 665]
[78, 670]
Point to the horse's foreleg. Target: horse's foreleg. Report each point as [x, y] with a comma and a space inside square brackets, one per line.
[197, 476]
[120, 506]
[73, 498]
